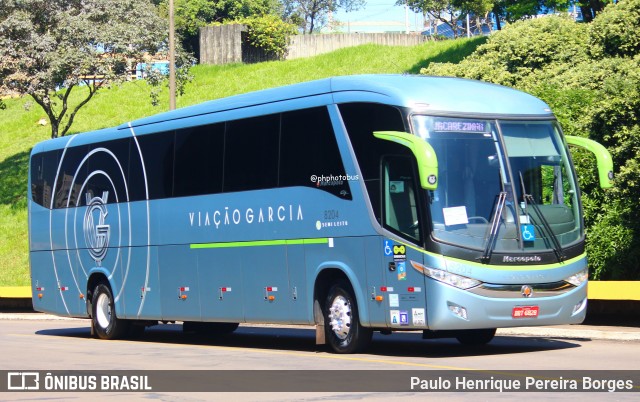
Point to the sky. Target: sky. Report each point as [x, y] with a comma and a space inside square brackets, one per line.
[390, 16]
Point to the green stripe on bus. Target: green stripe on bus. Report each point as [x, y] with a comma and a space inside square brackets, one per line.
[260, 243]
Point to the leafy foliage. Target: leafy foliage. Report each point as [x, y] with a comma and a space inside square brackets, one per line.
[155, 78]
[191, 15]
[615, 32]
[50, 47]
[269, 33]
[590, 75]
[312, 14]
[450, 12]
[513, 54]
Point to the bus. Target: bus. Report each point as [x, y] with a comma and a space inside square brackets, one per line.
[353, 204]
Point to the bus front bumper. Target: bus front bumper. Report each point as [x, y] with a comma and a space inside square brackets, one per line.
[450, 308]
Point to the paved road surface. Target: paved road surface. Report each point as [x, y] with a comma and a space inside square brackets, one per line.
[67, 345]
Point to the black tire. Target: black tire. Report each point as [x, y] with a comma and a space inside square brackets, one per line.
[343, 331]
[210, 328]
[106, 324]
[476, 337]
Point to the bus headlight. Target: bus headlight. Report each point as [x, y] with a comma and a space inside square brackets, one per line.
[459, 281]
[579, 278]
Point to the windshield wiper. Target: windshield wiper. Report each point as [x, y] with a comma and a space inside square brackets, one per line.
[495, 226]
[557, 247]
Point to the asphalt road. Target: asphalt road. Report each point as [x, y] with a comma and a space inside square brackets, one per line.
[67, 345]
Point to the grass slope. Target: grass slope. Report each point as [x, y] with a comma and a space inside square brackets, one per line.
[19, 131]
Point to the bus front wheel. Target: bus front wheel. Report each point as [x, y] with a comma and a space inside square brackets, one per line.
[105, 322]
[343, 330]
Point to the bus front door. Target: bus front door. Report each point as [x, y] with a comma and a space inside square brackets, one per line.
[405, 295]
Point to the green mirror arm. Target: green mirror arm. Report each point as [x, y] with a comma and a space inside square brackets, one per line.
[603, 158]
[424, 153]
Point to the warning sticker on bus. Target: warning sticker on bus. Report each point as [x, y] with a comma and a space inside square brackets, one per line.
[525, 312]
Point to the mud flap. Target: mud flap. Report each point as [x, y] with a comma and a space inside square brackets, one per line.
[318, 317]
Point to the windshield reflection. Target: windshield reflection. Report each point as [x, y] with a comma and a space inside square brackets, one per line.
[481, 161]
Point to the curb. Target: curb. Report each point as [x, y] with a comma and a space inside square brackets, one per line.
[15, 292]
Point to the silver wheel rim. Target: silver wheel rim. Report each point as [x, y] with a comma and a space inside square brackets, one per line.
[340, 317]
[103, 311]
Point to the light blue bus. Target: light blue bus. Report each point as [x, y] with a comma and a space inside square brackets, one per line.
[355, 204]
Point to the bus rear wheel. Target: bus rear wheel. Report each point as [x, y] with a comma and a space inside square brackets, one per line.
[342, 329]
[105, 323]
[476, 337]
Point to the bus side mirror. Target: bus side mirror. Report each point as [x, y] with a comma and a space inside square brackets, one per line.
[424, 153]
[603, 158]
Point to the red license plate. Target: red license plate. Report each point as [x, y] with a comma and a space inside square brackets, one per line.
[525, 312]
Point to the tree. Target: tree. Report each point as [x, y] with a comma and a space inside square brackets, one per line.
[267, 36]
[312, 14]
[478, 9]
[191, 15]
[450, 12]
[50, 49]
[443, 11]
[590, 76]
[616, 32]
[590, 8]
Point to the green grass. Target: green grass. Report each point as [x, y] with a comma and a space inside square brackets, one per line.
[19, 130]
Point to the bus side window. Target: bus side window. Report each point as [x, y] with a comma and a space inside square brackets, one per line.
[400, 203]
[199, 153]
[157, 150]
[37, 179]
[113, 166]
[308, 148]
[251, 154]
[361, 120]
[72, 172]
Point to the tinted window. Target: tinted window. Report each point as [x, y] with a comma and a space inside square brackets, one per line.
[251, 154]
[361, 120]
[43, 173]
[137, 189]
[108, 168]
[157, 150]
[400, 197]
[37, 178]
[308, 148]
[199, 153]
[73, 173]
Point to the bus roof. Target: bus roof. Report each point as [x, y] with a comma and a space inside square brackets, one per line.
[425, 93]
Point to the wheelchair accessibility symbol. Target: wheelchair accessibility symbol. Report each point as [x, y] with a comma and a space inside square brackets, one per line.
[387, 248]
[528, 233]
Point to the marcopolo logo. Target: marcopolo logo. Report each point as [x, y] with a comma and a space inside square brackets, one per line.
[96, 232]
[522, 258]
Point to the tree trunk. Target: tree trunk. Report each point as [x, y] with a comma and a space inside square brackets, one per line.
[596, 6]
[587, 16]
[54, 128]
[45, 104]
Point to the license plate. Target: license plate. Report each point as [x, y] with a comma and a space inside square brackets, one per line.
[525, 312]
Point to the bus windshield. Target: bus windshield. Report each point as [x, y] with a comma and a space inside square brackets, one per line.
[504, 185]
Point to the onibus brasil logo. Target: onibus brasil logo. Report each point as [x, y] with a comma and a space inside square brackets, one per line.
[96, 232]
